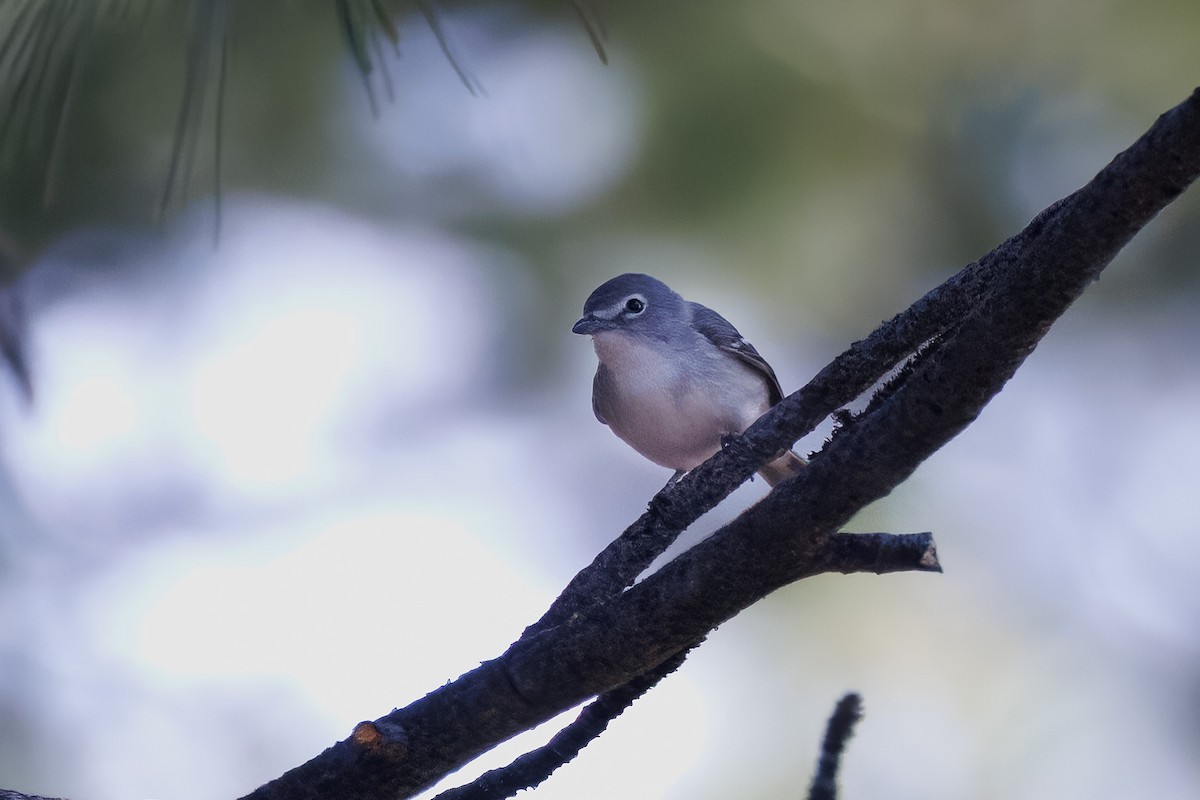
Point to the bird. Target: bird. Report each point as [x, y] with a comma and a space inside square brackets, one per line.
[675, 380]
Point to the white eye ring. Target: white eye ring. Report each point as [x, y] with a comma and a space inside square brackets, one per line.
[635, 305]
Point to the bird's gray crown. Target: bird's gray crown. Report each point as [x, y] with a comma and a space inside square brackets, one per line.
[633, 302]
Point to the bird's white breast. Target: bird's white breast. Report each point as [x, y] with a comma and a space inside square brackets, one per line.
[674, 407]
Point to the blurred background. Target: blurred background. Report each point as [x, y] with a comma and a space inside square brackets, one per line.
[295, 460]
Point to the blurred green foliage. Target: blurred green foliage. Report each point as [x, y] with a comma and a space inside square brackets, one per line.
[847, 148]
[829, 159]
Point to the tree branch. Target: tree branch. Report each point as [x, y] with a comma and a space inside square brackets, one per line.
[601, 638]
[852, 552]
[597, 637]
[530, 769]
[7, 794]
[838, 731]
[1098, 220]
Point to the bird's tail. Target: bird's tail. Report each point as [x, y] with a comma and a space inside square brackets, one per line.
[782, 468]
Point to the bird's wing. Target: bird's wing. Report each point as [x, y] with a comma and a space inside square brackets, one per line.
[721, 333]
[598, 390]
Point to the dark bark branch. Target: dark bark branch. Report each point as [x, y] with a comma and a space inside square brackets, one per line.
[882, 553]
[602, 650]
[7, 794]
[838, 731]
[1083, 231]
[601, 635]
[530, 769]
[597, 637]
[852, 552]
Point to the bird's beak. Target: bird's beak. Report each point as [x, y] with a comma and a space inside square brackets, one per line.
[588, 325]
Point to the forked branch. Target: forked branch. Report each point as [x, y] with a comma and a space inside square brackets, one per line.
[600, 635]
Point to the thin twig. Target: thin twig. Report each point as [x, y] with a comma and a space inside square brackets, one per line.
[838, 731]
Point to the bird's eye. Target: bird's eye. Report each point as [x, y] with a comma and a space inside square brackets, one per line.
[635, 305]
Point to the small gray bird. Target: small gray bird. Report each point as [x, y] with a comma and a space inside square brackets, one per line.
[675, 377]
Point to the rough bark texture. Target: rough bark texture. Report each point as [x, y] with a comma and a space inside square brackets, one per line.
[974, 331]
[837, 733]
[979, 326]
